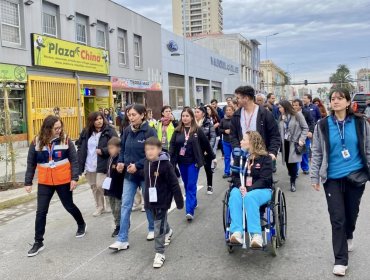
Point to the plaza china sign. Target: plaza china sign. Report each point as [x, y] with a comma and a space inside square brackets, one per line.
[52, 52]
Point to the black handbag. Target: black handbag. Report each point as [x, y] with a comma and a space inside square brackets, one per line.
[358, 178]
[299, 150]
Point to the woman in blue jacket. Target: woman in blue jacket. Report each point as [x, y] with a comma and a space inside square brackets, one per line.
[131, 159]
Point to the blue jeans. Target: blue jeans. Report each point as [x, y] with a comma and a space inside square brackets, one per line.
[252, 202]
[189, 175]
[227, 156]
[305, 157]
[129, 191]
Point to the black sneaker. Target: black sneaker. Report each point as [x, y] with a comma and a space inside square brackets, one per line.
[226, 176]
[116, 231]
[306, 172]
[81, 231]
[209, 190]
[36, 248]
[292, 187]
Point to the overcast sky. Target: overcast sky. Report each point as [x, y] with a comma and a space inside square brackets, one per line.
[315, 35]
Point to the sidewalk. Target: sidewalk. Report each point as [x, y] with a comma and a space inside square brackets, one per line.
[20, 164]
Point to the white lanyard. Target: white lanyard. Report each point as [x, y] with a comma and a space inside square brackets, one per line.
[109, 166]
[155, 175]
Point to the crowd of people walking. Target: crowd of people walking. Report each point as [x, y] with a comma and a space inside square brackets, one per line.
[147, 156]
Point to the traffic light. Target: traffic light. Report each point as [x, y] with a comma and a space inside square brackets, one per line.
[305, 82]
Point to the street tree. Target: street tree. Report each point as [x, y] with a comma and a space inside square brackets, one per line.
[342, 77]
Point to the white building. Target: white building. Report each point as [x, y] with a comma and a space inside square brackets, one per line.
[210, 75]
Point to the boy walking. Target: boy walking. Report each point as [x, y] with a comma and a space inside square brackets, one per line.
[113, 184]
[161, 186]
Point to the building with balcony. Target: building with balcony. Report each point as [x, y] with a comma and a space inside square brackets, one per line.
[274, 79]
[201, 17]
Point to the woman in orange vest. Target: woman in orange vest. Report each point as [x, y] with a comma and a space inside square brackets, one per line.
[54, 155]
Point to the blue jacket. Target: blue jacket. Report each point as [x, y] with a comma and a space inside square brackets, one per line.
[220, 112]
[314, 111]
[132, 145]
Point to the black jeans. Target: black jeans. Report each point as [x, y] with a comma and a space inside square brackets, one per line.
[44, 195]
[343, 200]
[208, 170]
[292, 167]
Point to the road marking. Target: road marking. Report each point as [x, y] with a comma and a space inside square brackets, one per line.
[173, 207]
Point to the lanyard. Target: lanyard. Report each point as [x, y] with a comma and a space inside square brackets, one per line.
[51, 150]
[250, 119]
[250, 167]
[109, 166]
[155, 175]
[341, 133]
[287, 122]
[186, 136]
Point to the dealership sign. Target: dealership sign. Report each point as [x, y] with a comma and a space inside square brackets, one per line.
[172, 46]
[131, 84]
[51, 52]
[224, 65]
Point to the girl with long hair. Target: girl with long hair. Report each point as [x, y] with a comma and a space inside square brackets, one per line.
[93, 156]
[131, 158]
[293, 132]
[317, 101]
[257, 191]
[205, 123]
[341, 161]
[54, 155]
[188, 147]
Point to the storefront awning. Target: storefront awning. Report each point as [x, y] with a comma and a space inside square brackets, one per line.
[122, 84]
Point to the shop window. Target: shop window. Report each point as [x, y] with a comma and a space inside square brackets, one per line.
[81, 29]
[137, 52]
[10, 22]
[49, 19]
[177, 98]
[122, 47]
[17, 107]
[101, 35]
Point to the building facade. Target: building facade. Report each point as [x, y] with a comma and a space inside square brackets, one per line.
[209, 74]
[77, 58]
[201, 17]
[274, 79]
[363, 80]
[237, 48]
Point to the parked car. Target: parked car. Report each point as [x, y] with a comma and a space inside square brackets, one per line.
[359, 101]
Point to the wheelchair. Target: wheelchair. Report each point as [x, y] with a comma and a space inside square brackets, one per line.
[273, 217]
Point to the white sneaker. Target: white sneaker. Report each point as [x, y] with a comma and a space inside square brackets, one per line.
[118, 246]
[97, 213]
[340, 270]
[142, 209]
[236, 238]
[150, 236]
[168, 237]
[189, 217]
[158, 260]
[351, 246]
[257, 241]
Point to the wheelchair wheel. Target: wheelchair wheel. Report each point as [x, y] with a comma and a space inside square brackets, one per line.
[224, 209]
[280, 216]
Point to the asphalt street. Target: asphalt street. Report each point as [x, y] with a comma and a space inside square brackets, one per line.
[197, 250]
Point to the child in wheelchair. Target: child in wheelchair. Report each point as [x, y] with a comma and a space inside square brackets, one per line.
[253, 191]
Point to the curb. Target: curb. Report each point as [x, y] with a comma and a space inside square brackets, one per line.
[27, 197]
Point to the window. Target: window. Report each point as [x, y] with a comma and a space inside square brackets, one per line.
[81, 29]
[137, 52]
[10, 22]
[49, 19]
[101, 35]
[122, 47]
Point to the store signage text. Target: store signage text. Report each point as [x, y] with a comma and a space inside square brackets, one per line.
[124, 84]
[172, 46]
[223, 65]
[56, 53]
[13, 73]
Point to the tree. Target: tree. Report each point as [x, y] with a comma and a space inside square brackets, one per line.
[342, 77]
[322, 91]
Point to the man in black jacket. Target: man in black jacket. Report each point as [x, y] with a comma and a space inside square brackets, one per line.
[256, 118]
[298, 107]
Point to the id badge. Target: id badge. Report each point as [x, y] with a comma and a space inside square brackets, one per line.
[346, 154]
[182, 151]
[152, 194]
[106, 183]
[52, 164]
[286, 136]
[249, 181]
[164, 140]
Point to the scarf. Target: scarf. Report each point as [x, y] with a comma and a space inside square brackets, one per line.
[200, 123]
[165, 121]
[135, 129]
